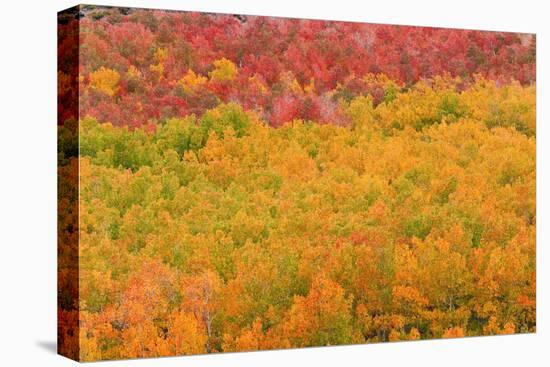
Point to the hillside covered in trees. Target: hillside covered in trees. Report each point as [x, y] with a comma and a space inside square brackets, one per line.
[250, 183]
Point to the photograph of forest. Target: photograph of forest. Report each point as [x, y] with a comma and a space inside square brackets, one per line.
[237, 183]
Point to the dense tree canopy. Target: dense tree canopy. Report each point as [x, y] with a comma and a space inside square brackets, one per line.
[253, 183]
[221, 233]
[155, 65]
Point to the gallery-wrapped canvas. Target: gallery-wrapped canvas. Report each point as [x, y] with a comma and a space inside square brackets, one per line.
[236, 183]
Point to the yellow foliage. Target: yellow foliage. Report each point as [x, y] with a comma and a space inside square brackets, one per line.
[161, 54]
[220, 233]
[414, 334]
[509, 105]
[157, 69]
[186, 335]
[439, 100]
[133, 72]
[295, 86]
[394, 336]
[105, 80]
[454, 332]
[310, 87]
[191, 82]
[361, 112]
[224, 71]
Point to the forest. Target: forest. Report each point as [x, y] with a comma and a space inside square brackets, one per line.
[251, 183]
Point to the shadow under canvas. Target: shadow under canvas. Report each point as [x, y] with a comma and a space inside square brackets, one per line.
[48, 345]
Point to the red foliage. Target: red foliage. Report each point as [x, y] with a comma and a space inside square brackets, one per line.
[267, 52]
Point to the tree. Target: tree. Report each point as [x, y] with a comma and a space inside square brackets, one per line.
[200, 297]
[105, 80]
[321, 318]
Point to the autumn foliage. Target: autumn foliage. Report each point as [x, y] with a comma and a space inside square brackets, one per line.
[251, 183]
[155, 65]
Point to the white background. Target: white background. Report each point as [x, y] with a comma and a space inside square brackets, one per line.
[28, 182]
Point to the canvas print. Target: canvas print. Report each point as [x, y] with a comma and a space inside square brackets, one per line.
[232, 183]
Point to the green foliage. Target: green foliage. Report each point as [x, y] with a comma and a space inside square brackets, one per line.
[223, 117]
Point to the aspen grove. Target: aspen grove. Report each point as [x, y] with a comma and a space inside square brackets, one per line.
[251, 183]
